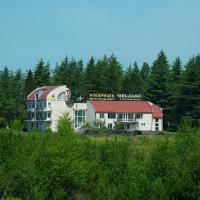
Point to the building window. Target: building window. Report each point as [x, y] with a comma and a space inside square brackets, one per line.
[156, 124]
[122, 117]
[110, 125]
[138, 115]
[126, 117]
[79, 118]
[111, 115]
[127, 126]
[40, 106]
[130, 117]
[49, 115]
[101, 115]
[28, 105]
[61, 96]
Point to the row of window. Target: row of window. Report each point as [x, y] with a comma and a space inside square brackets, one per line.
[39, 116]
[123, 116]
[38, 106]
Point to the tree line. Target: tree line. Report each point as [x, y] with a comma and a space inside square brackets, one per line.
[173, 86]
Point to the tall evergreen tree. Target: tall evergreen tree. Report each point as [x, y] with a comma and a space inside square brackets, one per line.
[18, 94]
[7, 99]
[42, 74]
[101, 71]
[144, 73]
[59, 75]
[114, 73]
[127, 86]
[132, 82]
[90, 76]
[157, 89]
[174, 89]
[190, 91]
[29, 84]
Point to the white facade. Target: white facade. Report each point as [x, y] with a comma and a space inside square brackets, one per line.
[43, 114]
[131, 120]
[47, 104]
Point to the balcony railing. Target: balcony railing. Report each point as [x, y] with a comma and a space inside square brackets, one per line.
[125, 120]
[38, 119]
[38, 109]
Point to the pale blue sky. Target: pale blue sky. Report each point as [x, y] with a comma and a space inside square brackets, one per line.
[133, 30]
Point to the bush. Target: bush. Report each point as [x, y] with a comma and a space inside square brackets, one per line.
[65, 125]
[17, 125]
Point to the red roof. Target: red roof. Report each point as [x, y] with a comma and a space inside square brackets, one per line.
[128, 107]
[46, 90]
[157, 111]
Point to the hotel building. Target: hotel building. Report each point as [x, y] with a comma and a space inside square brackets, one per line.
[134, 115]
[47, 104]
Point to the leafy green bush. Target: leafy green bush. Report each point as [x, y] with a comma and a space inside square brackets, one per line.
[17, 125]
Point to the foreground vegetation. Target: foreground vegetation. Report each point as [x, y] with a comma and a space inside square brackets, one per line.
[63, 165]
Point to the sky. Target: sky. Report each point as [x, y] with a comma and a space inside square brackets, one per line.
[132, 30]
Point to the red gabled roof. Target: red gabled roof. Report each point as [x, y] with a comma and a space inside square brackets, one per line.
[46, 90]
[157, 111]
[127, 106]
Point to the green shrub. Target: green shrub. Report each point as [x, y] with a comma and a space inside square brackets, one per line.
[17, 125]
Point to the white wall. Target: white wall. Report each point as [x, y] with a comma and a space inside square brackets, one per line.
[106, 120]
[144, 123]
[90, 113]
[77, 106]
[60, 107]
[160, 124]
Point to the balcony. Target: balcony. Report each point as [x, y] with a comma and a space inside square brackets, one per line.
[38, 109]
[30, 109]
[38, 119]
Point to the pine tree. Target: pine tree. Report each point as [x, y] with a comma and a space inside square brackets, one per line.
[157, 90]
[127, 86]
[190, 91]
[101, 72]
[132, 82]
[144, 73]
[7, 99]
[114, 75]
[90, 76]
[18, 94]
[59, 75]
[42, 74]
[174, 89]
[29, 84]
